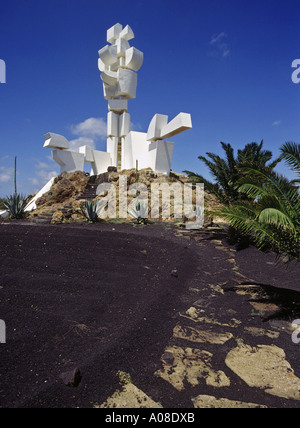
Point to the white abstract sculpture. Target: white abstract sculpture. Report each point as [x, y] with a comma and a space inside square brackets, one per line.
[70, 161]
[119, 64]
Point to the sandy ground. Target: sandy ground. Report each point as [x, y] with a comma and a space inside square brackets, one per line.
[147, 301]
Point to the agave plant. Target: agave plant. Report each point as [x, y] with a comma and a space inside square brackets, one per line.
[15, 205]
[273, 215]
[92, 210]
[139, 210]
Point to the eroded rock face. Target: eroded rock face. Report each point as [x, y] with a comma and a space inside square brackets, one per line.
[265, 367]
[67, 186]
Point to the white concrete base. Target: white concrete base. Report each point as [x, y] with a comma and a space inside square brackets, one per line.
[3, 214]
[32, 204]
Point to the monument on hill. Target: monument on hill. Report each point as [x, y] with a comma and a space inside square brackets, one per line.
[119, 64]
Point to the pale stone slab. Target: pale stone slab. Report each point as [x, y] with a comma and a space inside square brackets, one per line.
[130, 397]
[265, 367]
[201, 336]
[190, 365]
[198, 316]
[210, 402]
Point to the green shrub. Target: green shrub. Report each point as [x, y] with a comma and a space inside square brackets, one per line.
[228, 169]
[272, 216]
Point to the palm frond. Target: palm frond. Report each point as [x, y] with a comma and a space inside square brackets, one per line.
[290, 152]
[277, 218]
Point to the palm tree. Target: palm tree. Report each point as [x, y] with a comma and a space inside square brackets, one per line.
[290, 152]
[254, 155]
[272, 215]
[228, 170]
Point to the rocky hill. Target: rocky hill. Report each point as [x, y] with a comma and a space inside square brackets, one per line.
[66, 198]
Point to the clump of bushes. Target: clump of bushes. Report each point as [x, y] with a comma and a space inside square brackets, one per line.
[258, 202]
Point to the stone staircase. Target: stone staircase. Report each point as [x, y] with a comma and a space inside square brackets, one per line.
[89, 193]
[43, 219]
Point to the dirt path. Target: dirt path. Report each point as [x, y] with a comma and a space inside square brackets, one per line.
[179, 318]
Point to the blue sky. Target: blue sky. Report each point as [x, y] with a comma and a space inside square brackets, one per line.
[227, 62]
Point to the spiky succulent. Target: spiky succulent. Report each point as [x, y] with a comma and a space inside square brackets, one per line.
[15, 205]
[139, 211]
[92, 210]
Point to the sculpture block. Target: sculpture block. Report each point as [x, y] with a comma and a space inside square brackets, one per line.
[160, 156]
[112, 149]
[135, 148]
[158, 122]
[112, 124]
[124, 124]
[32, 203]
[118, 106]
[127, 83]
[134, 59]
[88, 153]
[114, 32]
[110, 78]
[109, 91]
[101, 65]
[56, 141]
[108, 55]
[127, 33]
[180, 123]
[122, 46]
[102, 160]
[68, 161]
